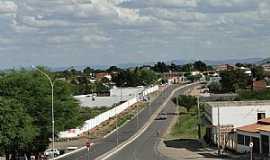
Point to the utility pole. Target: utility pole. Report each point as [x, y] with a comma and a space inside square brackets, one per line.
[218, 132]
[117, 140]
[199, 117]
[251, 150]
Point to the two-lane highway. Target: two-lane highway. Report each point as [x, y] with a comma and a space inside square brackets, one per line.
[142, 148]
[146, 146]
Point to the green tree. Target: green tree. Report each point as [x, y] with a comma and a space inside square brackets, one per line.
[233, 80]
[187, 101]
[87, 71]
[215, 87]
[200, 66]
[114, 69]
[160, 67]
[187, 68]
[16, 128]
[33, 91]
[258, 72]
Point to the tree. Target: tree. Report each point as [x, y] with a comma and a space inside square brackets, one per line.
[233, 80]
[258, 72]
[17, 130]
[87, 71]
[215, 87]
[160, 67]
[113, 69]
[187, 68]
[133, 78]
[187, 101]
[200, 66]
[33, 91]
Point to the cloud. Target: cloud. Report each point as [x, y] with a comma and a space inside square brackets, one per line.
[7, 7]
[116, 29]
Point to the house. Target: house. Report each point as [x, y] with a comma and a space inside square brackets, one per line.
[174, 77]
[246, 70]
[101, 75]
[260, 85]
[225, 116]
[224, 67]
[257, 133]
[266, 67]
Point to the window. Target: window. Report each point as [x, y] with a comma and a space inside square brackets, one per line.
[240, 139]
[247, 140]
[260, 116]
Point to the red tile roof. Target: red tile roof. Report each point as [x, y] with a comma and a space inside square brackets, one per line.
[263, 124]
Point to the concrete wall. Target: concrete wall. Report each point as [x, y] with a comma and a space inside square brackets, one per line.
[92, 123]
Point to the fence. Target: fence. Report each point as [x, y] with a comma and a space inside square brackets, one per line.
[92, 123]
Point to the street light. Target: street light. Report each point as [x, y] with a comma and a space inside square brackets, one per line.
[52, 90]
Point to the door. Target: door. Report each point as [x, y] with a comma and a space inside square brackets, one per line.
[265, 144]
[256, 144]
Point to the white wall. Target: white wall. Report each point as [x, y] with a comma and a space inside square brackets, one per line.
[238, 115]
[92, 123]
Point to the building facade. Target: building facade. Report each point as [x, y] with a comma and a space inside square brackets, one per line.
[225, 117]
[257, 133]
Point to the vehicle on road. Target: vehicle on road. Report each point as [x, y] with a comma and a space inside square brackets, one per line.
[50, 152]
[161, 116]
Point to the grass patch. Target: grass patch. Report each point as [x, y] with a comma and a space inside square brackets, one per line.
[186, 126]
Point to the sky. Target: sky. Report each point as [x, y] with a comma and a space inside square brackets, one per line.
[59, 33]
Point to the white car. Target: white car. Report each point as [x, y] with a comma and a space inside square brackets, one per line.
[50, 152]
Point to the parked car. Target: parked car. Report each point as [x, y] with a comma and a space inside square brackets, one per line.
[50, 152]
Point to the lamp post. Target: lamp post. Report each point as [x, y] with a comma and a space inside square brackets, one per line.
[52, 108]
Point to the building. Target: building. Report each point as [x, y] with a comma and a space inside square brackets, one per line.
[257, 133]
[266, 67]
[224, 67]
[224, 117]
[260, 85]
[174, 77]
[101, 75]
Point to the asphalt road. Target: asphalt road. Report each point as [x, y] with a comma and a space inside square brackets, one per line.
[146, 146]
[141, 149]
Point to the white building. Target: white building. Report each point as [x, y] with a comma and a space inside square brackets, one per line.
[229, 115]
[237, 113]
[266, 67]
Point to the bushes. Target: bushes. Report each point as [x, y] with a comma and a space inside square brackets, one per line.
[215, 87]
[187, 101]
[253, 95]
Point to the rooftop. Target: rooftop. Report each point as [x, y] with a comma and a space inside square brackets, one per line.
[238, 103]
[261, 125]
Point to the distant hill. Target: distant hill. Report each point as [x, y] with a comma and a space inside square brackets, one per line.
[226, 61]
[177, 62]
[265, 61]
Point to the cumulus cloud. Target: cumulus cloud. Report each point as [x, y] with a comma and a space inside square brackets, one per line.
[7, 7]
[149, 27]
